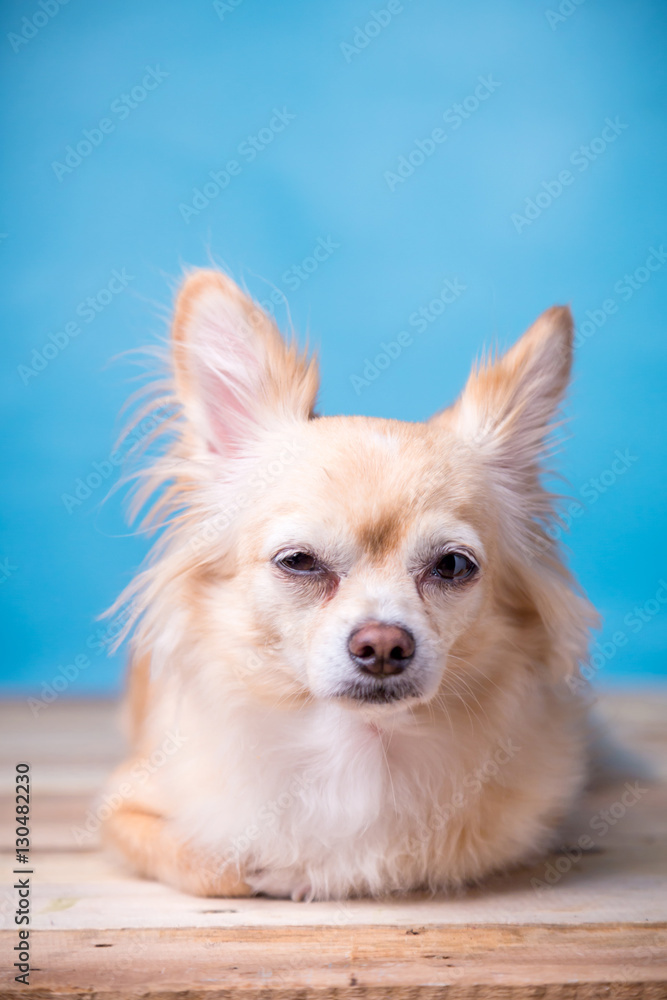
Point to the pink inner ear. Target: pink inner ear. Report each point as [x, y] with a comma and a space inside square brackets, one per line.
[226, 377]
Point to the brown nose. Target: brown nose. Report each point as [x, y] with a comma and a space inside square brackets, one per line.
[381, 649]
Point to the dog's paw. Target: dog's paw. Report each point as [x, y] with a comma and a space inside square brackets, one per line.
[284, 884]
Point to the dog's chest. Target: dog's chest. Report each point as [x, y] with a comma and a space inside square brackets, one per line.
[338, 782]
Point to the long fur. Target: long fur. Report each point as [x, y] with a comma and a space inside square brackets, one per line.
[277, 783]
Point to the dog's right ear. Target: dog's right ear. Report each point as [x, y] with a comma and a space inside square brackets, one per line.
[234, 374]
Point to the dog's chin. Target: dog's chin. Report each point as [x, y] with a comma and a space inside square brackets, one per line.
[373, 693]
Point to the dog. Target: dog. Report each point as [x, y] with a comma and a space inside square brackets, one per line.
[355, 655]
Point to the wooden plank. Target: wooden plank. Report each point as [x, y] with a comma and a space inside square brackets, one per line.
[623, 961]
[627, 886]
[598, 930]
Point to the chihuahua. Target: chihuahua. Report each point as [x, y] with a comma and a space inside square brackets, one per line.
[361, 630]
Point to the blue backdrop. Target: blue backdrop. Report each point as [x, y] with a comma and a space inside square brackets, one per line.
[439, 170]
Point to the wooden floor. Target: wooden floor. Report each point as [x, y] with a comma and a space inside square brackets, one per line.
[596, 929]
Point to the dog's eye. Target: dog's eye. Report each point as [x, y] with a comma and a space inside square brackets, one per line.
[455, 566]
[299, 562]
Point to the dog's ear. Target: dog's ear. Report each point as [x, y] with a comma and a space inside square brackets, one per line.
[509, 402]
[234, 373]
[508, 405]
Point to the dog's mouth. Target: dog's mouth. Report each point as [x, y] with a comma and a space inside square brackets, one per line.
[374, 692]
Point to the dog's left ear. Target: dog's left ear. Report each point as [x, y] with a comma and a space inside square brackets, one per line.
[508, 405]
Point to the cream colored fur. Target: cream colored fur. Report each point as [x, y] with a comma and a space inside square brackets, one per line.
[283, 784]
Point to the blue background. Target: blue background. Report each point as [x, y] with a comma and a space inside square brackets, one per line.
[556, 81]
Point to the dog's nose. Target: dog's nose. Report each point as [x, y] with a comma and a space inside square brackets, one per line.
[381, 649]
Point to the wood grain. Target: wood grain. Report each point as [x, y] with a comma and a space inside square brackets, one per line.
[599, 931]
[367, 961]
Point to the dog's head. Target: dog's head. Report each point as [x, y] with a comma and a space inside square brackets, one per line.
[359, 559]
